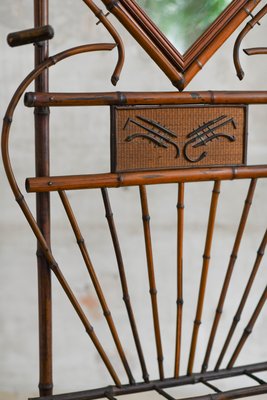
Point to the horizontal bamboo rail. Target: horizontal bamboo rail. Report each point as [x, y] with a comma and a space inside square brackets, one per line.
[38, 99]
[93, 181]
[166, 383]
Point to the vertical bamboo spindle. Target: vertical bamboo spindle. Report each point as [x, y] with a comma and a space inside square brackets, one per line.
[248, 329]
[41, 117]
[95, 281]
[232, 261]
[180, 241]
[204, 275]
[123, 279]
[238, 314]
[151, 277]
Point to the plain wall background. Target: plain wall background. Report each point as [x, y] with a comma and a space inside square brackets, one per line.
[79, 144]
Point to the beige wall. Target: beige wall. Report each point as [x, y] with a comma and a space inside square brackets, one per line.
[79, 144]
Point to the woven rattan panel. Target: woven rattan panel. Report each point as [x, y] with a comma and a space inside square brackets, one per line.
[158, 137]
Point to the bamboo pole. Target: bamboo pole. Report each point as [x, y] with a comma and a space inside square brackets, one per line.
[42, 168]
[232, 261]
[244, 298]
[204, 275]
[52, 99]
[123, 279]
[151, 277]
[96, 283]
[248, 329]
[180, 242]
[153, 177]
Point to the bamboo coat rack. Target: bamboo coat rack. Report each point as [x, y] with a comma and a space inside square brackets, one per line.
[157, 138]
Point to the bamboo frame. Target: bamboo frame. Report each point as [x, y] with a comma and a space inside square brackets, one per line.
[42, 184]
[35, 99]
[42, 168]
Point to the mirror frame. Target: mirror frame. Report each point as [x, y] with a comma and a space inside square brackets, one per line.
[179, 68]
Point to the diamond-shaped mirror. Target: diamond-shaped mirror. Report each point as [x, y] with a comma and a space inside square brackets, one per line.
[181, 35]
[183, 21]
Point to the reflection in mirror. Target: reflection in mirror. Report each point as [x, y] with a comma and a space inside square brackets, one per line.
[183, 21]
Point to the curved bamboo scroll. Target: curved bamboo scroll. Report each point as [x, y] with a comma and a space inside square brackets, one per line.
[23, 204]
[107, 24]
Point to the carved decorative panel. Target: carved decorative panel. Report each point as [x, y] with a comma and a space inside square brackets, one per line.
[159, 137]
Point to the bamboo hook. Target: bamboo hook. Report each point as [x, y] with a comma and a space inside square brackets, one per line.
[250, 25]
[102, 18]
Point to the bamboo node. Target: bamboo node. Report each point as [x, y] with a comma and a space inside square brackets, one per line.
[197, 322]
[80, 241]
[146, 218]
[153, 292]
[90, 329]
[179, 302]
[19, 199]
[126, 298]
[53, 60]
[249, 202]
[109, 215]
[7, 119]
[206, 257]
[248, 331]
[219, 311]
[212, 96]
[204, 368]
[260, 252]
[41, 111]
[160, 358]
[120, 179]
[234, 173]
[233, 256]
[122, 98]
[107, 313]
[180, 206]
[237, 318]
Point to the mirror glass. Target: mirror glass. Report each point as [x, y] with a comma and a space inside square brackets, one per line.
[183, 21]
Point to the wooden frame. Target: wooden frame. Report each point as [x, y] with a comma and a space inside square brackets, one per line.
[180, 68]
